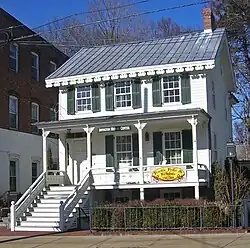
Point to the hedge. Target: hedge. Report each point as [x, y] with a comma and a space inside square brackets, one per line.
[162, 215]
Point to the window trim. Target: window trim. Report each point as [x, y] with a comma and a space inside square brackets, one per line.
[115, 150]
[53, 113]
[164, 147]
[76, 106]
[37, 64]
[16, 58]
[131, 96]
[17, 114]
[54, 64]
[38, 111]
[37, 169]
[162, 93]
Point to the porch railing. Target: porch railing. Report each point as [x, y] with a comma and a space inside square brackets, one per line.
[129, 174]
[73, 199]
[18, 209]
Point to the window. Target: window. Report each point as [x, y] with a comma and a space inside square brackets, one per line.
[173, 148]
[13, 112]
[172, 196]
[13, 176]
[215, 148]
[213, 96]
[14, 57]
[124, 149]
[53, 113]
[52, 67]
[34, 116]
[83, 98]
[123, 94]
[171, 89]
[35, 66]
[34, 171]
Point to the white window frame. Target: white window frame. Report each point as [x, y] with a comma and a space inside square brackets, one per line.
[122, 94]
[37, 111]
[15, 57]
[171, 89]
[172, 149]
[53, 113]
[11, 113]
[128, 162]
[83, 99]
[36, 67]
[55, 66]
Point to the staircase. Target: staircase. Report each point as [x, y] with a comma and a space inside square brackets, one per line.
[50, 208]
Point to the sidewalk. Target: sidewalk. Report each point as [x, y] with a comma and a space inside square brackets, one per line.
[155, 241]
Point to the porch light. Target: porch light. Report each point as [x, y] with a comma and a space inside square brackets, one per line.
[231, 149]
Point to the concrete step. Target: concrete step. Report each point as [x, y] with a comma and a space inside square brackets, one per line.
[45, 210]
[38, 229]
[61, 188]
[55, 195]
[52, 200]
[45, 214]
[42, 218]
[40, 224]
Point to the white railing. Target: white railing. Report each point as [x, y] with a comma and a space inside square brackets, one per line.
[103, 175]
[67, 207]
[20, 207]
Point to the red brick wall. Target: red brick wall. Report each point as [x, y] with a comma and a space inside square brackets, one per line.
[21, 83]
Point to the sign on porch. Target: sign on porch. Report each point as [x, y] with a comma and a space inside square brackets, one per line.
[114, 129]
[168, 174]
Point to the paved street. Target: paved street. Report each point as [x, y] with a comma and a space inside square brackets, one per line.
[156, 241]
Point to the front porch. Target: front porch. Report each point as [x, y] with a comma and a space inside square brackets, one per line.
[159, 150]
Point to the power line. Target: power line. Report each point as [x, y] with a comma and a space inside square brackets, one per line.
[77, 14]
[114, 19]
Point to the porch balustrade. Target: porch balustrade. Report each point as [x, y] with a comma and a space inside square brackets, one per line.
[127, 173]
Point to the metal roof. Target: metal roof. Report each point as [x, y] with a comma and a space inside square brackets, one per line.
[178, 49]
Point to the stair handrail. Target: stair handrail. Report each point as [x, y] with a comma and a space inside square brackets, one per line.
[18, 208]
[66, 207]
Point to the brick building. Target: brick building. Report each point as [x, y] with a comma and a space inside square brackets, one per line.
[24, 65]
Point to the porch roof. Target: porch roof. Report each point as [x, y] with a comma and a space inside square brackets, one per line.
[120, 119]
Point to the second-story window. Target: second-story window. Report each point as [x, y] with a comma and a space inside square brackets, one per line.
[13, 112]
[52, 67]
[171, 89]
[53, 113]
[14, 57]
[123, 96]
[34, 116]
[35, 66]
[83, 98]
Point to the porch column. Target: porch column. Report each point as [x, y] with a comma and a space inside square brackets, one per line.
[62, 146]
[45, 135]
[140, 127]
[89, 131]
[193, 121]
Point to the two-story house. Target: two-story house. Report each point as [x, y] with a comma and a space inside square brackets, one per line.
[24, 99]
[140, 120]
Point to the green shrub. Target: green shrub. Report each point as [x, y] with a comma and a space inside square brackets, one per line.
[161, 214]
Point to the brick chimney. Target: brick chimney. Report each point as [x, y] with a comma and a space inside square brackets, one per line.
[209, 20]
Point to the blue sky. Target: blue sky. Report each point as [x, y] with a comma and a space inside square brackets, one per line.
[34, 13]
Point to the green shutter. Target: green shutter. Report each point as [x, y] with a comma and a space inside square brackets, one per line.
[187, 145]
[71, 100]
[109, 150]
[157, 147]
[109, 96]
[185, 88]
[96, 98]
[135, 145]
[156, 91]
[136, 94]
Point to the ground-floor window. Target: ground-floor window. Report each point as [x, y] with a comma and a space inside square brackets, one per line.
[124, 149]
[34, 171]
[170, 196]
[173, 148]
[13, 176]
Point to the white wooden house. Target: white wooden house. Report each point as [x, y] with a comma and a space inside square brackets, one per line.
[141, 120]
